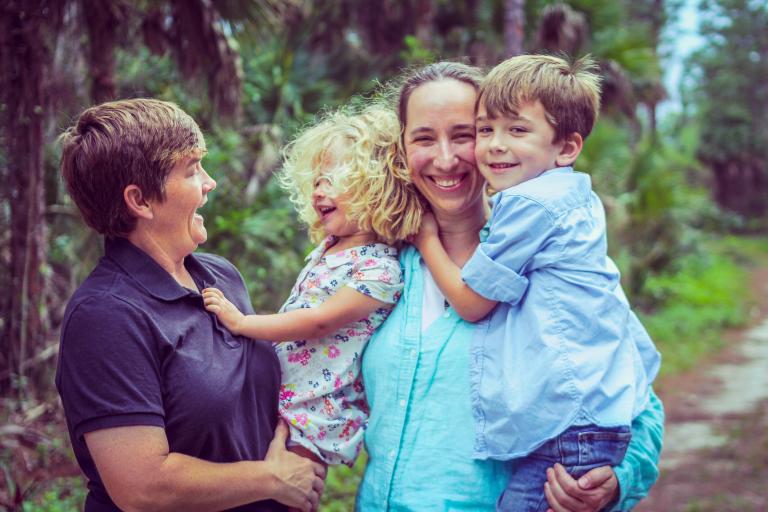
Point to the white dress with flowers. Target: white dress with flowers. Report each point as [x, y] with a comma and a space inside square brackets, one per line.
[321, 396]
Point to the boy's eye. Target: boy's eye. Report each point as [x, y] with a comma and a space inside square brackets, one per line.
[484, 129]
[518, 129]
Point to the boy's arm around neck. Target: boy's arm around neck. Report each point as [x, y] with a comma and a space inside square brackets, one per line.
[470, 305]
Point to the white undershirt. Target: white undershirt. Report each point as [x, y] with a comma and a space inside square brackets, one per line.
[433, 301]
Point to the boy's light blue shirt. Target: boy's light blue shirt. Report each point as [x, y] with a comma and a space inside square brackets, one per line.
[562, 347]
[420, 432]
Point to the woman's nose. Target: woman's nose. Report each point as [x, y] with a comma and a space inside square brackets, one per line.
[208, 183]
[446, 157]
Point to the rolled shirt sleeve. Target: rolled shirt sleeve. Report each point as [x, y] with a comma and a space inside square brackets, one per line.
[517, 244]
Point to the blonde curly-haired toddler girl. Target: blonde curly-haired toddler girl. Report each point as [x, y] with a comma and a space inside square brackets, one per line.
[349, 186]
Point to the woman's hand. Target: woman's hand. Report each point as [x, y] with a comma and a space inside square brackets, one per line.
[227, 313]
[591, 493]
[428, 232]
[299, 480]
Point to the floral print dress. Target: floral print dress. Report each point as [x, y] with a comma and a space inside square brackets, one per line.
[322, 396]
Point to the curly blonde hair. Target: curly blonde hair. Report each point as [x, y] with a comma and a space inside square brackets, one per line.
[368, 169]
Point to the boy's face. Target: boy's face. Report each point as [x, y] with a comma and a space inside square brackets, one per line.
[511, 150]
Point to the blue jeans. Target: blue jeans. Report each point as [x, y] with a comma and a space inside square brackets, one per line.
[579, 449]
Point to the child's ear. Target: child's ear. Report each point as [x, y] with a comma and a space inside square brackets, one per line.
[570, 150]
[136, 203]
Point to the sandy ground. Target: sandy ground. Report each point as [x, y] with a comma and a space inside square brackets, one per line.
[715, 455]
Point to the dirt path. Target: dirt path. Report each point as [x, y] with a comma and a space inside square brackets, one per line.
[715, 454]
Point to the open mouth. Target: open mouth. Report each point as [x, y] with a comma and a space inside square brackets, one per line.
[324, 211]
[448, 182]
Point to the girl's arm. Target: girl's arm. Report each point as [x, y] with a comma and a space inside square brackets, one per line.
[470, 305]
[344, 307]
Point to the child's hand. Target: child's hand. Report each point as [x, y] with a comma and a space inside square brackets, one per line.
[228, 314]
[428, 231]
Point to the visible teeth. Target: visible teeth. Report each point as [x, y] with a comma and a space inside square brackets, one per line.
[446, 182]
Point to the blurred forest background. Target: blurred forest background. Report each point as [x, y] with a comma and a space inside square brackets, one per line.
[685, 191]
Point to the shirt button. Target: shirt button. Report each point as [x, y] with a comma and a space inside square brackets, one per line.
[413, 354]
[391, 454]
[402, 403]
[447, 314]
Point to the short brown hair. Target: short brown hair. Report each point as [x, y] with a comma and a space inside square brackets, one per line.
[121, 143]
[569, 92]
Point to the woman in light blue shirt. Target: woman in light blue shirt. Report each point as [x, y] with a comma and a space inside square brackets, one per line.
[416, 367]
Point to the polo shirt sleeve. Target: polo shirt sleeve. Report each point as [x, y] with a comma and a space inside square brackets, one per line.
[109, 367]
[640, 468]
[380, 278]
[520, 228]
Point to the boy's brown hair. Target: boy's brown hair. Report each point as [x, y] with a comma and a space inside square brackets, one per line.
[569, 92]
[121, 143]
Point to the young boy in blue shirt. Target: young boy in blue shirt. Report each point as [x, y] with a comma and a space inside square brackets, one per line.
[562, 365]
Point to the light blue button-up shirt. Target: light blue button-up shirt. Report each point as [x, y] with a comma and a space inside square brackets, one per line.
[563, 347]
[420, 433]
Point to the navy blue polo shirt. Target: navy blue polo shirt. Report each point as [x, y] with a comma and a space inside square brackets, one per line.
[137, 348]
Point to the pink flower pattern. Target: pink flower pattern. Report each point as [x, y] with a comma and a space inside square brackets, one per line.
[322, 396]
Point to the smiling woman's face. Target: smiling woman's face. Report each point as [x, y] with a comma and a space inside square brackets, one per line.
[439, 139]
[176, 221]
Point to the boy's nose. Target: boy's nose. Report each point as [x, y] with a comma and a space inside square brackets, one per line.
[497, 145]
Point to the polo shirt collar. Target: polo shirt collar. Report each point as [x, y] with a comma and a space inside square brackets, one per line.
[150, 275]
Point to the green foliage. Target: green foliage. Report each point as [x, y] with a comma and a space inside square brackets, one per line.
[693, 306]
[315, 56]
[341, 486]
[61, 495]
[730, 95]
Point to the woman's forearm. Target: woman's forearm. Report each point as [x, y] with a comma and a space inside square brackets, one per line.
[182, 482]
[140, 473]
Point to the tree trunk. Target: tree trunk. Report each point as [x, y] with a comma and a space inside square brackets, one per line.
[514, 23]
[101, 19]
[22, 61]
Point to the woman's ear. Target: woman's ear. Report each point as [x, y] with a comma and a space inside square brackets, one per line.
[570, 150]
[136, 203]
